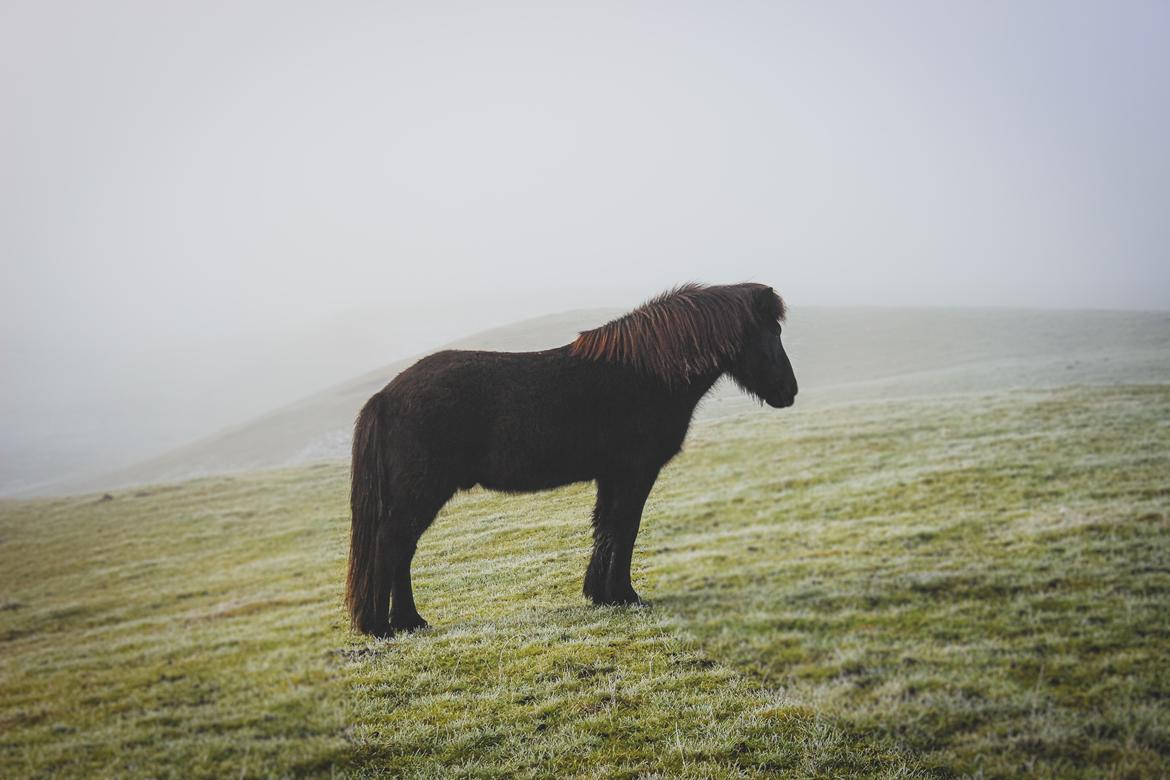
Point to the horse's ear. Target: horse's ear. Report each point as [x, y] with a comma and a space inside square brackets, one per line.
[767, 302]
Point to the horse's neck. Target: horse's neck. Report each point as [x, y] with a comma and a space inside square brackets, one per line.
[698, 387]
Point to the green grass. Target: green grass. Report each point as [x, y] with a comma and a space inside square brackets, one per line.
[956, 587]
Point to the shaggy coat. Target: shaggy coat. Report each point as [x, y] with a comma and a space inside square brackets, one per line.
[613, 406]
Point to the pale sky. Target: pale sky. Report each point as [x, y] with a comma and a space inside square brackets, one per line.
[212, 208]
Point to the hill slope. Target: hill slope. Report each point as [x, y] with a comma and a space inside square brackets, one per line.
[319, 427]
[965, 586]
[839, 354]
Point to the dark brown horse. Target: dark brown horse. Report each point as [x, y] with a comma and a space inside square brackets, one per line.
[613, 406]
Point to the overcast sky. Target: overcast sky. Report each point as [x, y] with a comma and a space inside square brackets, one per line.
[211, 208]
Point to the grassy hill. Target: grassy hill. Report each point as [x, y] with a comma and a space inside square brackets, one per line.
[970, 585]
[840, 354]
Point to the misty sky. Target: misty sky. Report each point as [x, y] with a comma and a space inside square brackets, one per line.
[212, 208]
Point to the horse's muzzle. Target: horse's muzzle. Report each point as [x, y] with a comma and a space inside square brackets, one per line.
[781, 403]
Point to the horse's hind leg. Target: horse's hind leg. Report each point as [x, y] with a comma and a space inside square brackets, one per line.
[616, 520]
[396, 609]
[382, 583]
[397, 542]
[403, 613]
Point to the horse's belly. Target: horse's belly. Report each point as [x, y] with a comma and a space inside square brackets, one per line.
[530, 469]
[530, 485]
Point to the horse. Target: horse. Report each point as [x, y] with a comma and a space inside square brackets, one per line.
[613, 406]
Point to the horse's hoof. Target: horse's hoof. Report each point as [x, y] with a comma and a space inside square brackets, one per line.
[629, 600]
[408, 626]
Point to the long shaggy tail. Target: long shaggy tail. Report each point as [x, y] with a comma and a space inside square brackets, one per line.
[370, 505]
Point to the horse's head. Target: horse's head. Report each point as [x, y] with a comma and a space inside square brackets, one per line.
[762, 367]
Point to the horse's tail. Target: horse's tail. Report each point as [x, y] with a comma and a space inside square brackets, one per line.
[369, 502]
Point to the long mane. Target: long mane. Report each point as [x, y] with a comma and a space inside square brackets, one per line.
[690, 330]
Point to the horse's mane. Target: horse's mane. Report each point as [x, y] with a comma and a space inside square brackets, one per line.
[690, 330]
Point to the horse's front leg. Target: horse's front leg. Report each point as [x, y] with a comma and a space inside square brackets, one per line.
[616, 520]
[597, 574]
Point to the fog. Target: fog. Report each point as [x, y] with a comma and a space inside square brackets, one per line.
[210, 210]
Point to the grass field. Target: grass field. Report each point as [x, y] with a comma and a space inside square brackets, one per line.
[966, 586]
